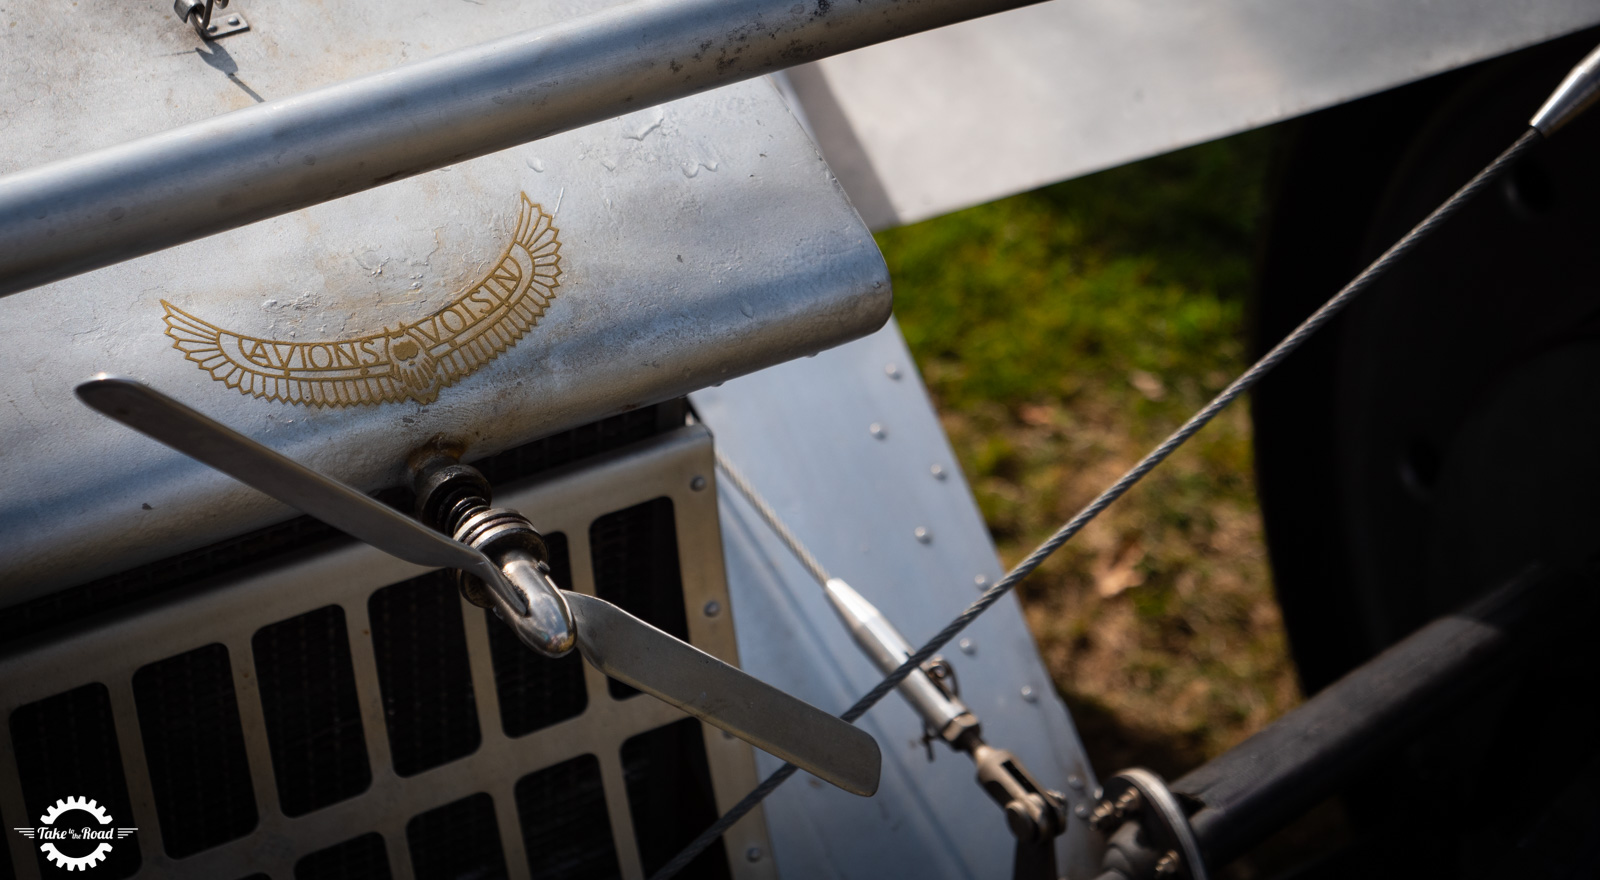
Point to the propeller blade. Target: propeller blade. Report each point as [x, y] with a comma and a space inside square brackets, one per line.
[159, 417]
[637, 654]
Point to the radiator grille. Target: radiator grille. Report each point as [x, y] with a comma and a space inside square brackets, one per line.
[669, 794]
[338, 715]
[360, 858]
[562, 811]
[421, 652]
[457, 841]
[308, 700]
[194, 747]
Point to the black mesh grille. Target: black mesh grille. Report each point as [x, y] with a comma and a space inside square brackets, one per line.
[635, 557]
[458, 841]
[670, 797]
[66, 746]
[421, 651]
[303, 533]
[565, 828]
[313, 719]
[536, 692]
[194, 747]
[362, 858]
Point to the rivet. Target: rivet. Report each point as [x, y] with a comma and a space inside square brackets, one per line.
[923, 534]
[713, 608]
[967, 647]
[1081, 811]
[1075, 783]
[1028, 694]
[891, 371]
[233, 20]
[753, 854]
[980, 581]
[211, 28]
[877, 431]
[938, 472]
[697, 484]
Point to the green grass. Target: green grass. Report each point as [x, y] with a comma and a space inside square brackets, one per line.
[1063, 333]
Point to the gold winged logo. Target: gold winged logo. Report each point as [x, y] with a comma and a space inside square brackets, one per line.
[411, 361]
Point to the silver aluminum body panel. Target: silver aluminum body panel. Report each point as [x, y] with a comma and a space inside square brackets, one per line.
[91, 210]
[800, 432]
[230, 613]
[939, 121]
[699, 240]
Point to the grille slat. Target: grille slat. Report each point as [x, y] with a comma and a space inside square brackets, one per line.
[670, 797]
[458, 841]
[360, 858]
[313, 717]
[565, 828]
[421, 649]
[194, 747]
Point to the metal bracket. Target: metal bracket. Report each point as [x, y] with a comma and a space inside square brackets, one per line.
[1147, 829]
[199, 14]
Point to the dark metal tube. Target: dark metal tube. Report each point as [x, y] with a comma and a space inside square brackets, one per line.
[1300, 759]
[79, 214]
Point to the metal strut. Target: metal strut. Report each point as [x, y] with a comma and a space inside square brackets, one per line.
[1584, 81]
[1035, 815]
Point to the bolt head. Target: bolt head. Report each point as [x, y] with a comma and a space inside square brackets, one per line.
[922, 534]
[712, 608]
[753, 854]
[698, 484]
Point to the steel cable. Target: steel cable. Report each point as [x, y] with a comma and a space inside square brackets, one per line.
[1239, 386]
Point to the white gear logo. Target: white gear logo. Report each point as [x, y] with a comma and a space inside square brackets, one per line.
[75, 863]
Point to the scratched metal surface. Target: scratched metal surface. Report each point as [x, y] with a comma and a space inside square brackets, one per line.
[801, 432]
[950, 118]
[676, 271]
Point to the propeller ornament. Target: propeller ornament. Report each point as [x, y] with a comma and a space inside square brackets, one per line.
[505, 554]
